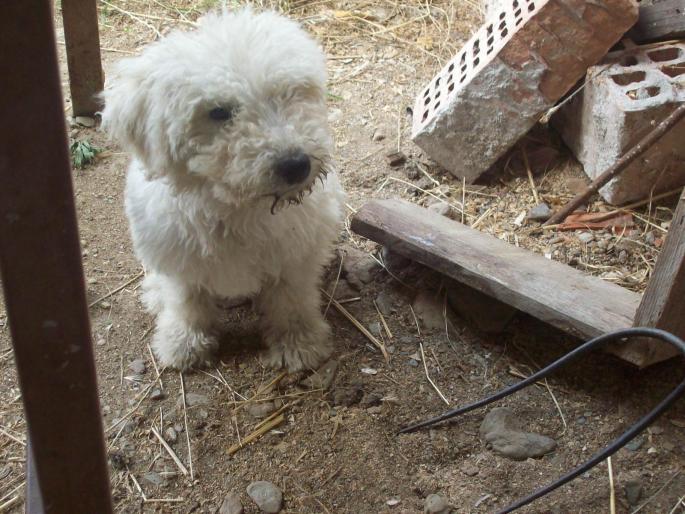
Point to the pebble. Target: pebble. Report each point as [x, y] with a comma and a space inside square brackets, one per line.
[370, 371]
[633, 491]
[379, 133]
[231, 505]
[501, 433]
[266, 495]
[348, 396]
[157, 394]
[101, 342]
[193, 399]
[469, 469]
[650, 238]
[435, 504]
[581, 420]
[635, 444]
[377, 409]
[623, 257]
[371, 399]
[413, 363]
[137, 366]
[375, 328]
[154, 478]
[541, 212]
[359, 268]
[395, 158]
[260, 409]
[105, 305]
[170, 435]
[323, 377]
[586, 237]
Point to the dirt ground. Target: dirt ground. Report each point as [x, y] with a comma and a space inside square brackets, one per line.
[337, 450]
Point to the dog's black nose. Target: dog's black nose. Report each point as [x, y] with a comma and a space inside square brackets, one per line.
[294, 168]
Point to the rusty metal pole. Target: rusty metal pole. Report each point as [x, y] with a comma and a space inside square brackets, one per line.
[82, 40]
[42, 275]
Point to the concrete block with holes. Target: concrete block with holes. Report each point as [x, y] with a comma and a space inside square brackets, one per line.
[508, 74]
[625, 97]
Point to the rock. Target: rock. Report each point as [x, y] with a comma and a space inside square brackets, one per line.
[137, 366]
[395, 159]
[377, 409]
[170, 435]
[231, 505]
[428, 308]
[323, 377]
[84, 121]
[369, 371]
[266, 495]
[384, 304]
[485, 312]
[541, 212]
[105, 305]
[392, 502]
[153, 478]
[633, 491]
[413, 363]
[469, 469]
[157, 394]
[375, 328]
[650, 238]
[581, 420]
[193, 399]
[586, 237]
[435, 504]
[379, 133]
[635, 444]
[348, 396]
[358, 268]
[500, 431]
[442, 208]
[260, 409]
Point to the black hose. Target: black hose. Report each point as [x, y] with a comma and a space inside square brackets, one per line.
[615, 445]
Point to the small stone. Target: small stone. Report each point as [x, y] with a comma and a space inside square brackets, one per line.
[656, 430]
[156, 394]
[375, 328]
[650, 238]
[635, 444]
[652, 450]
[377, 409]
[92, 281]
[379, 134]
[442, 208]
[170, 435]
[369, 371]
[101, 342]
[469, 469]
[85, 121]
[231, 505]
[541, 212]
[384, 304]
[105, 305]
[266, 495]
[585, 237]
[179, 428]
[371, 399]
[359, 268]
[193, 399]
[260, 409]
[435, 504]
[392, 502]
[500, 431]
[413, 363]
[581, 420]
[153, 478]
[395, 159]
[633, 491]
[323, 377]
[623, 257]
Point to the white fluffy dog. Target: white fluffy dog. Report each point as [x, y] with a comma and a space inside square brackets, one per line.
[231, 191]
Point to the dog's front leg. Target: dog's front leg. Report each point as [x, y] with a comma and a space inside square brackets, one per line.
[185, 317]
[293, 327]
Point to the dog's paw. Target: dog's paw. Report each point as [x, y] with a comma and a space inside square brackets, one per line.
[298, 351]
[184, 349]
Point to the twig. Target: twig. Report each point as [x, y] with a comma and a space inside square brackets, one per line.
[132, 16]
[359, 326]
[425, 367]
[612, 490]
[10, 503]
[261, 390]
[170, 451]
[642, 146]
[13, 438]
[385, 325]
[335, 285]
[115, 291]
[253, 436]
[154, 364]
[185, 422]
[463, 198]
[664, 485]
[536, 197]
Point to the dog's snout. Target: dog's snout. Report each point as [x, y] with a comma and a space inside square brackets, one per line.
[294, 168]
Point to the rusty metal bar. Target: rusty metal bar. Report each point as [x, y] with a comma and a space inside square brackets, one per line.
[80, 18]
[41, 271]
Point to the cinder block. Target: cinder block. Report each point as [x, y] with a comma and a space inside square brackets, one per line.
[625, 97]
[508, 74]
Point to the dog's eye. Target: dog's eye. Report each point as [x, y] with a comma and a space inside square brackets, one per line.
[221, 114]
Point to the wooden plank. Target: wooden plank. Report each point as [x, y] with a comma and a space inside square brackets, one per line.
[41, 273]
[662, 20]
[80, 18]
[577, 303]
[663, 303]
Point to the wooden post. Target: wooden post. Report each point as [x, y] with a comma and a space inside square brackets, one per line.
[42, 276]
[663, 303]
[80, 18]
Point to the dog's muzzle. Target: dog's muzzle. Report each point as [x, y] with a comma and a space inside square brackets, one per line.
[294, 169]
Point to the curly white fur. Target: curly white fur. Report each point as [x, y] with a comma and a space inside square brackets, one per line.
[209, 216]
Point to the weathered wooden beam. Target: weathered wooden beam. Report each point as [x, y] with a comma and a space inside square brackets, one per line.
[42, 275]
[564, 297]
[82, 39]
[662, 20]
[663, 303]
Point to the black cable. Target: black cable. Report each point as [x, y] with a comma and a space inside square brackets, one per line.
[615, 445]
